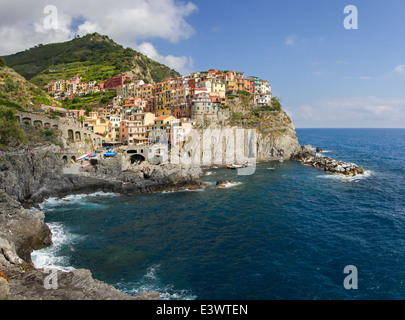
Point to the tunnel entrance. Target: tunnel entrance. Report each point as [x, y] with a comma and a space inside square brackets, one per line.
[137, 158]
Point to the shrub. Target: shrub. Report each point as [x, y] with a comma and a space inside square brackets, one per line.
[9, 126]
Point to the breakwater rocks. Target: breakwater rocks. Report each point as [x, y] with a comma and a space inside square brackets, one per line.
[21, 232]
[307, 156]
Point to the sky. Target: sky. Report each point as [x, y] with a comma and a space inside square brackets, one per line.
[327, 76]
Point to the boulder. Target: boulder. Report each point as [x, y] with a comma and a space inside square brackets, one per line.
[4, 289]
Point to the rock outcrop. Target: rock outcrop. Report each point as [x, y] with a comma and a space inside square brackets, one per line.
[39, 175]
[308, 157]
[21, 232]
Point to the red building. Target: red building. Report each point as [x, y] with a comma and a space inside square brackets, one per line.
[116, 81]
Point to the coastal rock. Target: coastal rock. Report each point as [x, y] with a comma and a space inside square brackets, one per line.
[304, 152]
[4, 289]
[333, 166]
[21, 232]
[319, 150]
[223, 183]
[39, 175]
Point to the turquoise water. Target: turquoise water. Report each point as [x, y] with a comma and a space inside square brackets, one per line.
[283, 234]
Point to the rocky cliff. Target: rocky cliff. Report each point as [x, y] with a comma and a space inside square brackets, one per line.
[275, 136]
[29, 178]
[21, 232]
[40, 174]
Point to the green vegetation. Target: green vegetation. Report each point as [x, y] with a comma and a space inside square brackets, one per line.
[2, 63]
[92, 57]
[88, 101]
[9, 126]
[10, 104]
[17, 92]
[246, 97]
[276, 103]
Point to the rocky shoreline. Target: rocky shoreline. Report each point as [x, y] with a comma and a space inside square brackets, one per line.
[22, 231]
[308, 157]
[29, 179]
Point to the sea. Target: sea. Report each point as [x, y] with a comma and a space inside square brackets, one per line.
[293, 233]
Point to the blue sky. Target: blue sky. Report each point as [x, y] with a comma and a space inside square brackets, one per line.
[326, 76]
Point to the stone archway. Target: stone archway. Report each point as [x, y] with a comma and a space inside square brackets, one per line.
[26, 121]
[137, 158]
[38, 124]
[71, 135]
[78, 136]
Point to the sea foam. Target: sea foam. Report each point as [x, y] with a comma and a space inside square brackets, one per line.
[55, 257]
[152, 282]
[366, 174]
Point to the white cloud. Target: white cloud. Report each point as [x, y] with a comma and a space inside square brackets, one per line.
[354, 111]
[87, 27]
[183, 64]
[291, 40]
[400, 69]
[128, 22]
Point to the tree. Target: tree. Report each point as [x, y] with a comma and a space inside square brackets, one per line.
[82, 119]
[2, 63]
[276, 103]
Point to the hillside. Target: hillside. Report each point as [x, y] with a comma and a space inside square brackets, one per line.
[93, 57]
[17, 92]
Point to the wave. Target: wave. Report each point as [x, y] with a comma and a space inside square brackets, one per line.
[321, 154]
[366, 174]
[56, 202]
[56, 256]
[229, 185]
[184, 190]
[209, 173]
[151, 282]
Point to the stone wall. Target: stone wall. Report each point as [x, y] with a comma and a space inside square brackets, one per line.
[71, 133]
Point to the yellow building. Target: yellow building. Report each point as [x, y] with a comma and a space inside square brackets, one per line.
[231, 85]
[218, 87]
[101, 126]
[164, 99]
[163, 122]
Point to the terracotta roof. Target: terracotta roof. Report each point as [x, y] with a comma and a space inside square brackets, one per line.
[162, 118]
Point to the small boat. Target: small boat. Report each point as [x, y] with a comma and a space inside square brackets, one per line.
[270, 168]
[236, 166]
[281, 160]
[110, 154]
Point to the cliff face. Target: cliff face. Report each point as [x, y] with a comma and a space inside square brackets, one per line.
[42, 174]
[275, 136]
